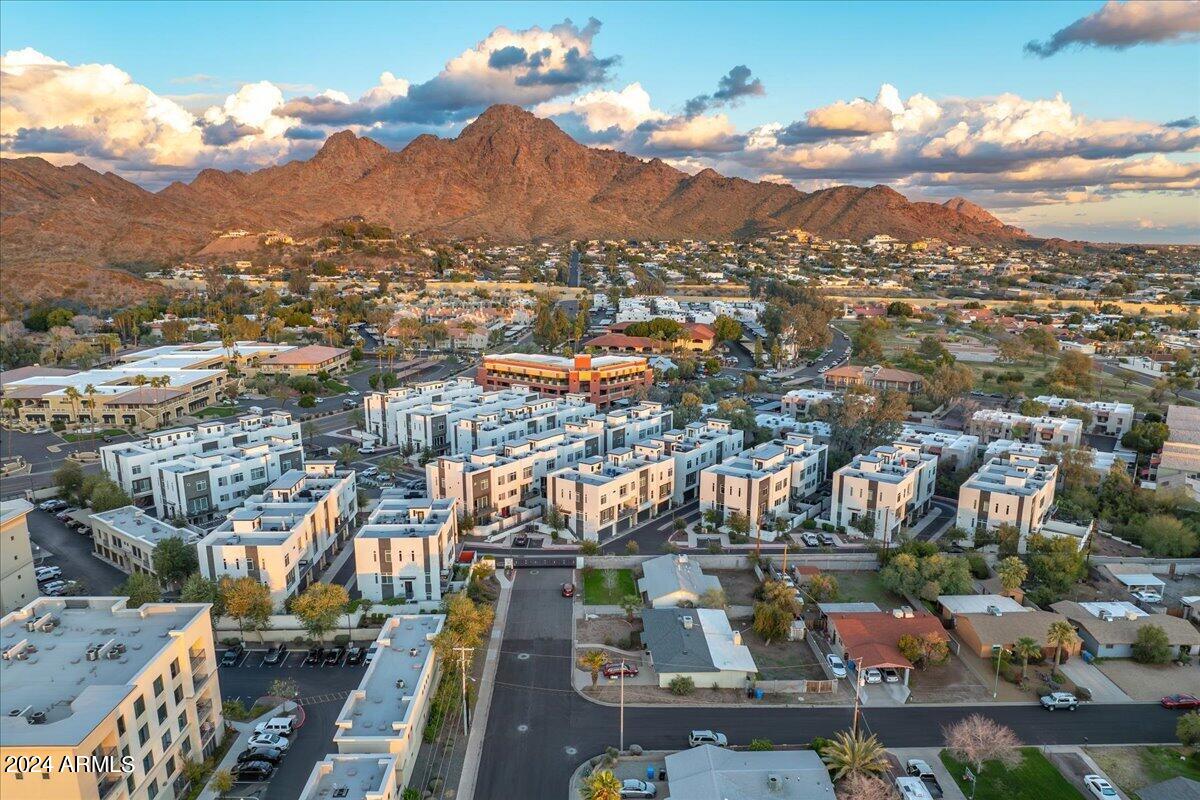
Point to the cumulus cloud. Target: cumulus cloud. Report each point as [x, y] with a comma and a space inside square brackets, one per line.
[524, 67]
[1120, 25]
[605, 110]
[731, 89]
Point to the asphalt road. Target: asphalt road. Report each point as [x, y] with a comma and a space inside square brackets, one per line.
[561, 728]
[1141, 380]
[72, 552]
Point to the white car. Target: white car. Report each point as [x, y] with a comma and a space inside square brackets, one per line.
[46, 573]
[1099, 787]
[873, 676]
[269, 740]
[1147, 596]
[697, 738]
[352, 393]
[836, 666]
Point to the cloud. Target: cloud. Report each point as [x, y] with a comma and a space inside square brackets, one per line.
[1187, 122]
[1120, 25]
[680, 136]
[198, 78]
[606, 110]
[524, 67]
[731, 88]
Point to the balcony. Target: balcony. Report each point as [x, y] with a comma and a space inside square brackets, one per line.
[107, 787]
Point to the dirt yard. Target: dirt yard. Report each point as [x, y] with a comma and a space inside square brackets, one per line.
[1151, 682]
[739, 585]
[950, 682]
[784, 661]
[607, 630]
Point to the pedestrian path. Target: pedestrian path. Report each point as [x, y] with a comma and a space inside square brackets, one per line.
[487, 682]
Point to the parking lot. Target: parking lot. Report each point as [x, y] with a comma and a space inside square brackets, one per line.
[72, 553]
[322, 691]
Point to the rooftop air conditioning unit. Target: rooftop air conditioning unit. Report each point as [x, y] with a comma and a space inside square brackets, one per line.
[994, 610]
[898, 613]
[688, 622]
[774, 782]
[93, 653]
[36, 717]
[1105, 614]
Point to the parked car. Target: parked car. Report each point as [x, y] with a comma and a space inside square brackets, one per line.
[921, 770]
[40, 430]
[280, 726]
[1180, 701]
[333, 656]
[348, 403]
[1147, 596]
[613, 669]
[54, 588]
[873, 676]
[810, 540]
[836, 666]
[632, 787]
[890, 675]
[253, 771]
[276, 655]
[911, 788]
[568, 590]
[315, 656]
[355, 656]
[52, 505]
[1099, 787]
[231, 655]
[272, 740]
[697, 738]
[826, 540]
[521, 540]
[46, 573]
[371, 651]
[1060, 700]
[268, 754]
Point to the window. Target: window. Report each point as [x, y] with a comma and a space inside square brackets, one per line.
[178, 695]
[121, 725]
[152, 790]
[182, 720]
[158, 686]
[139, 706]
[174, 667]
[166, 739]
[170, 766]
[143, 734]
[162, 713]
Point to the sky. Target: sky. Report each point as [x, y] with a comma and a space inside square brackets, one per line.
[1072, 119]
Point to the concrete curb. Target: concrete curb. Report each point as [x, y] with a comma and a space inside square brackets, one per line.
[487, 683]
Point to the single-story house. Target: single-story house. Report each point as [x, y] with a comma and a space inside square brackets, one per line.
[673, 580]
[697, 643]
[715, 773]
[1178, 788]
[980, 632]
[871, 639]
[1110, 629]
[951, 605]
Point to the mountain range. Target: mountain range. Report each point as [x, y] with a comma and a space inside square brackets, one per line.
[508, 176]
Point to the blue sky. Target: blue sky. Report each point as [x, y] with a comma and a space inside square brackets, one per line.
[807, 56]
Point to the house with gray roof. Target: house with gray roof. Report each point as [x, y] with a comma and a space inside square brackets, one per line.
[715, 773]
[674, 580]
[697, 643]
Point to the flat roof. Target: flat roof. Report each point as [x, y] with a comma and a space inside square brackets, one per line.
[132, 521]
[350, 776]
[14, 509]
[381, 705]
[717, 773]
[77, 694]
[979, 603]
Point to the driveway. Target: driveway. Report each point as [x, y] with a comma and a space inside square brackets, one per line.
[1150, 681]
[1100, 685]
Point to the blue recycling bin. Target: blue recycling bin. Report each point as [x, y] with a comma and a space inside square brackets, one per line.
[650, 774]
[758, 694]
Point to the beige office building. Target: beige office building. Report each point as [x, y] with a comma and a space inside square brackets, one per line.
[135, 689]
[18, 584]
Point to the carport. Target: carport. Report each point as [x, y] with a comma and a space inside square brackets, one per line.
[1141, 581]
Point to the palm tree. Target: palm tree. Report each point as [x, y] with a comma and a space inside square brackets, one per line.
[1060, 634]
[139, 380]
[1026, 648]
[852, 754]
[346, 454]
[160, 382]
[13, 405]
[90, 391]
[601, 785]
[630, 603]
[1012, 572]
[73, 395]
[593, 661]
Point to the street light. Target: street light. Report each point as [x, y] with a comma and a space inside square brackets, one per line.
[997, 650]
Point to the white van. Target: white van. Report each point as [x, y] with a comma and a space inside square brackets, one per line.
[281, 726]
[912, 789]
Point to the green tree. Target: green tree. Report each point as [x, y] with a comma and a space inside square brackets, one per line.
[1026, 648]
[69, 479]
[1012, 573]
[1187, 729]
[601, 785]
[199, 589]
[346, 454]
[823, 588]
[850, 754]
[248, 602]
[630, 604]
[593, 661]
[1167, 536]
[1062, 635]
[174, 560]
[1151, 645]
[319, 607]
[771, 622]
[713, 598]
[140, 588]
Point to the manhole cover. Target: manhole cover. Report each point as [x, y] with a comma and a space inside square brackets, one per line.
[522, 656]
[570, 751]
[533, 572]
[522, 728]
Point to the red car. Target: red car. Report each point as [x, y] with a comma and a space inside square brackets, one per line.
[1180, 701]
[614, 670]
[568, 590]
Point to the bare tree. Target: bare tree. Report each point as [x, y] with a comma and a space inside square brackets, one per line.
[978, 739]
[864, 787]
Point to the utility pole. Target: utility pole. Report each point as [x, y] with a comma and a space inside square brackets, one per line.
[858, 684]
[462, 656]
[621, 749]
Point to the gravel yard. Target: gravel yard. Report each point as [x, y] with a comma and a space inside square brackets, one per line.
[607, 630]
[1151, 682]
[739, 585]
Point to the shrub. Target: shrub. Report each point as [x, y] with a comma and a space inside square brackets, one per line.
[1187, 729]
[979, 567]
[809, 524]
[681, 686]
[819, 743]
[714, 546]
[306, 401]
[761, 744]
[1152, 645]
[1083, 693]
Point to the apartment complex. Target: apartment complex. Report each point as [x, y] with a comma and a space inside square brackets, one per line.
[90, 677]
[697, 447]
[603, 379]
[386, 714]
[405, 547]
[355, 776]
[1012, 489]
[202, 472]
[602, 496]
[954, 450]
[1178, 465]
[885, 490]
[990, 424]
[1109, 419]
[800, 403]
[495, 427]
[764, 483]
[18, 584]
[126, 537]
[385, 414]
[285, 535]
[876, 377]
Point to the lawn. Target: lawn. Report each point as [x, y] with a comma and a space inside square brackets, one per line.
[606, 587]
[1133, 768]
[335, 387]
[216, 411]
[88, 436]
[1035, 779]
[865, 587]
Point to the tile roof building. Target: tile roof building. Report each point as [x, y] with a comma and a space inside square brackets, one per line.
[603, 379]
[876, 377]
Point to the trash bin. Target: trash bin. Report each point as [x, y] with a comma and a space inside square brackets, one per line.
[758, 694]
[650, 773]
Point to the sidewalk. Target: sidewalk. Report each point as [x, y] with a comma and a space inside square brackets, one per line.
[487, 683]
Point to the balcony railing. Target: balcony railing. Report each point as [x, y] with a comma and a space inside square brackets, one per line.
[107, 786]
